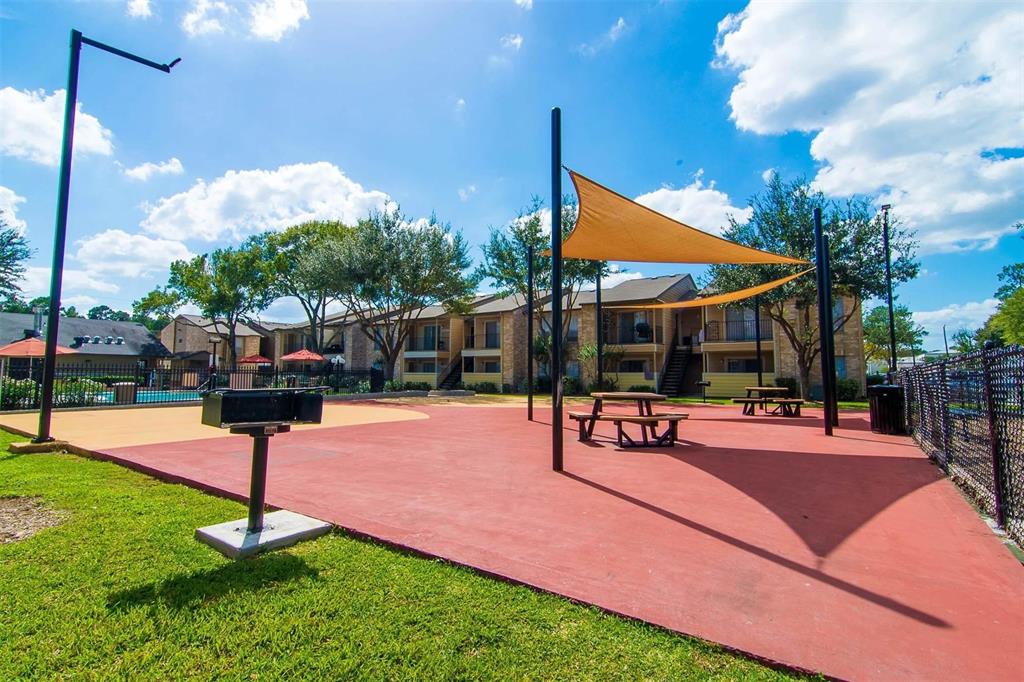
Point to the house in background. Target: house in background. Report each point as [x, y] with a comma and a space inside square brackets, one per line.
[189, 336]
[98, 343]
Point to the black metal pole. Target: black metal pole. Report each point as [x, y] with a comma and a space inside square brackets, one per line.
[599, 321]
[830, 325]
[994, 442]
[819, 260]
[61, 227]
[556, 289]
[757, 338]
[258, 483]
[888, 288]
[529, 332]
[59, 239]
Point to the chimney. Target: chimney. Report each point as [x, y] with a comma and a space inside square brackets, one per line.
[37, 320]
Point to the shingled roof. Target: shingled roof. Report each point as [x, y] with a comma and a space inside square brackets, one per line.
[92, 337]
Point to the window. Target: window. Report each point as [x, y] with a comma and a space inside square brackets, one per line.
[468, 364]
[492, 336]
[574, 329]
[492, 366]
[636, 366]
[837, 317]
[572, 368]
[841, 366]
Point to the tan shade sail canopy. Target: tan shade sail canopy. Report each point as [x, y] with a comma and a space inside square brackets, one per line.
[611, 227]
[720, 299]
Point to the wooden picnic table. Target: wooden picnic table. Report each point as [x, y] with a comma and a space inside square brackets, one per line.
[643, 404]
[764, 392]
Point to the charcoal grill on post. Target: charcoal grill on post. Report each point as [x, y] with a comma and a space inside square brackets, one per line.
[261, 414]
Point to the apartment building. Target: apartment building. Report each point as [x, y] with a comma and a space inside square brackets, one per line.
[193, 338]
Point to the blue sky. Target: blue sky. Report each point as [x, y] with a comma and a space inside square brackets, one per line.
[283, 110]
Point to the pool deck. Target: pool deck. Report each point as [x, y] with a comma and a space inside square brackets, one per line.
[852, 555]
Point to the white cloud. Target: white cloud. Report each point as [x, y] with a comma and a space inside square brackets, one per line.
[512, 41]
[138, 9]
[605, 40]
[79, 301]
[271, 19]
[465, 193]
[460, 110]
[767, 174]
[128, 255]
[956, 316]
[9, 201]
[525, 4]
[267, 19]
[240, 203]
[910, 102]
[32, 126]
[206, 17]
[145, 171]
[37, 282]
[701, 206]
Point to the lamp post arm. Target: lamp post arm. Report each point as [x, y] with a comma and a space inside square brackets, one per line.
[166, 68]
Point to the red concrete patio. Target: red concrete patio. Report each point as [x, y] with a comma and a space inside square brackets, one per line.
[851, 555]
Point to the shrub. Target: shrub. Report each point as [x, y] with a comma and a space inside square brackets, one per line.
[111, 379]
[392, 385]
[639, 388]
[362, 387]
[542, 385]
[77, 392]
[572, 386]
[19, 394]
[876, 379]
[417, 386]
[606, 384]
[485, 387]
[788, 382]
[847, 389]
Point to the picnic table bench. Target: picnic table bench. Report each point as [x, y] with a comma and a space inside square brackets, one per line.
[586, 422]
[789, 407]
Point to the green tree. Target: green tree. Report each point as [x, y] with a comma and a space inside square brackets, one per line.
[12, 303]
[782, 222]
[1011, 276]
[70, 311]
[296, 269]
[105, 312]
[965, 341]
[386, 269]
[228, 285]
[909, 336]
[1009, 318]
[155, 309]
[14, 251]
[506, 262]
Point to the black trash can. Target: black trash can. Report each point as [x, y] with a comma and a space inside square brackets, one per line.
[885, 403]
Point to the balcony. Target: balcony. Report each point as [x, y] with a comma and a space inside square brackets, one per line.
[626, 337]
[427, 343]
[486, 341]
[736, 330]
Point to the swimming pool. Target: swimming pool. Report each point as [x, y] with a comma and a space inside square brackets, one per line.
[155, 396]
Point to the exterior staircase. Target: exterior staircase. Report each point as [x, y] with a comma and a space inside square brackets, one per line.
[675, 371]
[451, 375]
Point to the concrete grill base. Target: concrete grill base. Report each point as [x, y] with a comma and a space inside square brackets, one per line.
[280, 529]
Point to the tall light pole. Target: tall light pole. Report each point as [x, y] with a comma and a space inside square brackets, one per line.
[61, 228]
[888, 288]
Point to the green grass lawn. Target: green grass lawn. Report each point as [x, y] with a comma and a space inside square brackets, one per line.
[121, 590]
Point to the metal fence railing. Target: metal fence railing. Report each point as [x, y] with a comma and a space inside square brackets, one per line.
[967, 414]
[99, 386]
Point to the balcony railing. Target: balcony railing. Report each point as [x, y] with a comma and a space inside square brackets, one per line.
[427, 343]
[483, 341]
[736, 330]
[622, 337]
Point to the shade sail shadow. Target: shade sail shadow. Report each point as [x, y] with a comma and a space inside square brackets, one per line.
[813, 573]
[193, 589]
[823, 498]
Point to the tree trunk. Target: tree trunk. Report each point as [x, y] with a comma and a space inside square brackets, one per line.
[805, 376]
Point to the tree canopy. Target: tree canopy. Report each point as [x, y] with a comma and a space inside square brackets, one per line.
[909, 335]
[782, 222]
[14, 251]
[387, 268]
[296, 270]
[506, 263]
[227, 284]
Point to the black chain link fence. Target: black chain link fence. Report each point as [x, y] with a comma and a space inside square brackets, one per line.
[967, 414]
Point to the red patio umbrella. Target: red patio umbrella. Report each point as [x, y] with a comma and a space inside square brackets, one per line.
[255, 360]
[30, 348]
[303, 356]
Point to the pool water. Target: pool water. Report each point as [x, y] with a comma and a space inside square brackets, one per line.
[156, 396]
